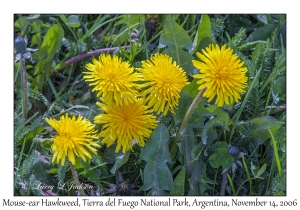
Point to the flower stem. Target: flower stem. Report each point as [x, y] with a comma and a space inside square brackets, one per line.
[24, 88]
[76, 180]
[184, 123]
[89, 54]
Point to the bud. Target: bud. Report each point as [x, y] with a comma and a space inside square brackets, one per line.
[233, 150]
[20, 45]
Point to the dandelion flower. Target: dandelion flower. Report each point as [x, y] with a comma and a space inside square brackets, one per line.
[74, 137]
[222, 73]
[164, 82]
[113, 79]
[126, 124]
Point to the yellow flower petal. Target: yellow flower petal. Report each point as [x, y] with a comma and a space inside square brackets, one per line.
[125, 123]
[164, 82]
[221, 72]
[113, 79]
[72, 139]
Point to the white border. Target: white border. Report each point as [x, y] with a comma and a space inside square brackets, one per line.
[120, 7]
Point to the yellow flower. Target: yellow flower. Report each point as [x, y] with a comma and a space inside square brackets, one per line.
[74, 137]
[222, 73]
[126, 124]
[164, 82]
[113, 79]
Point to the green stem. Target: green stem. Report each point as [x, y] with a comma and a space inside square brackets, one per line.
[231, 184]
[24, 88]
[76, 180]
[184, 123]
[248, 175]
[247, 180]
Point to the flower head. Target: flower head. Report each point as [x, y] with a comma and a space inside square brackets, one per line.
[74, 137]
[164, 81]
[114, 79]
[222, 73]
[126, 124]
[21, 49]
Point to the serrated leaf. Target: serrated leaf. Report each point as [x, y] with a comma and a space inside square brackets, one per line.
[73, 21]
[179, 183]
[91, 173]
[157, 175]
[39, 167]
[173, 35]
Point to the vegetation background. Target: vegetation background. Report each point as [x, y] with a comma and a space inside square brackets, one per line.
[237, 150]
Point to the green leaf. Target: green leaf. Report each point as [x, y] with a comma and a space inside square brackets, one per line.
[131, 20]
[182, 58]
[262, 18]
[262, 33]
[51, 43]
[188, 143]
[221, 156]
[187, 95]
[22, 23]
[222, 119]
[97, 24]
[30, 17]
[47, 144]
[279, 89]
[204, 31]
[109, 154]
[91, 173]
[34, 132]
[199, 172]
[157, 176]
[179, 183]
[262, 170]
[120, 159]
[61, 172]
[38, 165]
[205, 42]
[63, 18]
[174, 36]
[73, 21]
[258, 128]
